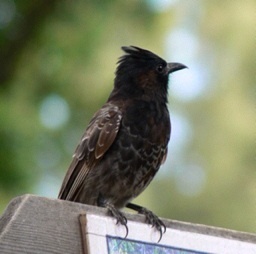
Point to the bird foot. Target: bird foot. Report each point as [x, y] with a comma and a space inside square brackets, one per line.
[151, 218]
[119, 216]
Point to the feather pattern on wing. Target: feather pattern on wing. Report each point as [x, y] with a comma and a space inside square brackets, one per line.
[98, 137]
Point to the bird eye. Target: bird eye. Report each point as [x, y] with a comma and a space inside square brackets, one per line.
[160, 68]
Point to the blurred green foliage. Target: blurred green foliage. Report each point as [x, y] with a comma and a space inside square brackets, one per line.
[57, 59]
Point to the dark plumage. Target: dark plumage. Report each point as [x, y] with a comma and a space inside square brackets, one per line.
[126, 140]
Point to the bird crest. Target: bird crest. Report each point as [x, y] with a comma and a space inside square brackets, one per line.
[133, 52]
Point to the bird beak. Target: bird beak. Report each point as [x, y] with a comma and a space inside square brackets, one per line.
[172, 67]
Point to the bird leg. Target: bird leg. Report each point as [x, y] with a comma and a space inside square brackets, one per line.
[120, 218]
[151, 218]
[118, 215]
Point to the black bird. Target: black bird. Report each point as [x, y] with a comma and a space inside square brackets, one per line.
[126, 141]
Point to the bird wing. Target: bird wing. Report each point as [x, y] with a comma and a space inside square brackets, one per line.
[99, 136]
[164, 156]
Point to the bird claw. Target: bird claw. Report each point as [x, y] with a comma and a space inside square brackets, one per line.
[154, 221]
[120, 218]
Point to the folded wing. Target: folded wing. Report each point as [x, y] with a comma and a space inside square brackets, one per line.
[98, 138]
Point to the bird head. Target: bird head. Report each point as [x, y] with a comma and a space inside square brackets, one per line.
[141, 72]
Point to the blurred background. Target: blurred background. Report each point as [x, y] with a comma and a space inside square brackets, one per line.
[57, 63]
